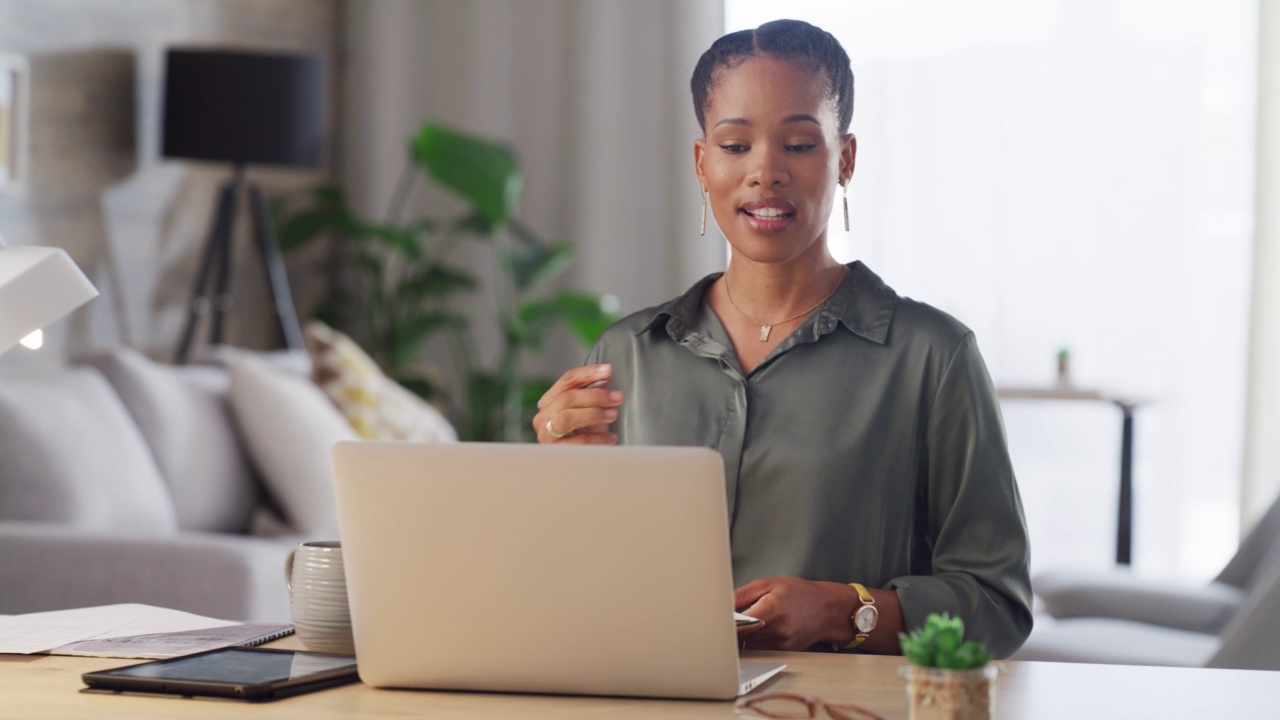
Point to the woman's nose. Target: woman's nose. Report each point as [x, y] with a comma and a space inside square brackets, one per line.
[769, 169]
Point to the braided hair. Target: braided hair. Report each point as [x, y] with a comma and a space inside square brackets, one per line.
[783, 39]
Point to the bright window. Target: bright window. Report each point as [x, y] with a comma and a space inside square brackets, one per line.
[1080, 175]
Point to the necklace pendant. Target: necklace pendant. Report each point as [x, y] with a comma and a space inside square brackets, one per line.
[764, 332]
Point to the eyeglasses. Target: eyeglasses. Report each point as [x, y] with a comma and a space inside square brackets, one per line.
[786, 705]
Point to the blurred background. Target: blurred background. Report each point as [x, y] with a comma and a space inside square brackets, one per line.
[1088, 176]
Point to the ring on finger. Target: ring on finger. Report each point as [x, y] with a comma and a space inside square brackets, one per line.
[551, 430]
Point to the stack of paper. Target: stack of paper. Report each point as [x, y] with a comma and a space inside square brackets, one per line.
[129, 630]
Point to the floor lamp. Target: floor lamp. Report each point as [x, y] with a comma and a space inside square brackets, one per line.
[37, 286]
[241, 108]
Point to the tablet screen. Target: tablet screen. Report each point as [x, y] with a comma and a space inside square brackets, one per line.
[246, 667]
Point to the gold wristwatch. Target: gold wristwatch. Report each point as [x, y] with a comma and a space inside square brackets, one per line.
[864, 618]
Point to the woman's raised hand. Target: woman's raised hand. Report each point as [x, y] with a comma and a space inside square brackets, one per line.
[579, 408]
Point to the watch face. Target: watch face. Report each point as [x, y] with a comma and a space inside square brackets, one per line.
[865, 618]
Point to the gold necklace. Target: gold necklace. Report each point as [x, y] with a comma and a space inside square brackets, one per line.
[766, 328]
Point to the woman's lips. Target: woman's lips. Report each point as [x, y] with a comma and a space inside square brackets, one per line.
[768, 216]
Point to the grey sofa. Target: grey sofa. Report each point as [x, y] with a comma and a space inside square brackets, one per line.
[1118, 617]
[123, 480]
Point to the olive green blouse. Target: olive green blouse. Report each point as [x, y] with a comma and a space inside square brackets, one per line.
[867, 447]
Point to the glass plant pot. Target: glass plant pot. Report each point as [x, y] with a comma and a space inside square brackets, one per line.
[937, 694]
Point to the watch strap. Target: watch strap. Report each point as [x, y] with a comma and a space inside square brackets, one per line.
[864, 593]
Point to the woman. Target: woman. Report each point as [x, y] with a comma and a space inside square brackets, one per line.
[867, 475]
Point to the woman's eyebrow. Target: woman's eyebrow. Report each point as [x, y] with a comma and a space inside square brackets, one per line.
[801, 118]
[785, 121]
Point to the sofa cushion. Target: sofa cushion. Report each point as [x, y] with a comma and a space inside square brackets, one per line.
[377, 407]
[49, 567]
[1118, 593]
[1115, 642]
[71, 454]
[290, 427]
[183, 413]
[294, 362]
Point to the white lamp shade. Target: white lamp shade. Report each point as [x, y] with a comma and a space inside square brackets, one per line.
[38, 285]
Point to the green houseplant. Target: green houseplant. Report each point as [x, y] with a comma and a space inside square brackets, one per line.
[948, 678]
[401, 281]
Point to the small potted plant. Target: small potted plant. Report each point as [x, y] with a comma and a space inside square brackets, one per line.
[948, 678]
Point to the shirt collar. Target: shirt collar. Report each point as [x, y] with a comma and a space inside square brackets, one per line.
[863, 303]
[680, 312]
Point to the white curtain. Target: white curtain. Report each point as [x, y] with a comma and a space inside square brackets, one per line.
[1262, 421]
[592, 94]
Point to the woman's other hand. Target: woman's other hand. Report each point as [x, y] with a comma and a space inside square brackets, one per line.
[579, 408]
[799, 614]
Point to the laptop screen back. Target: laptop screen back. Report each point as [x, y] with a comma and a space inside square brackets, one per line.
[529, 568]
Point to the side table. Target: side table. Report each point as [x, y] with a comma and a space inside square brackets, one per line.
[1127, 405]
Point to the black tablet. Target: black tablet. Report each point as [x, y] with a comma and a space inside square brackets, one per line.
[238, 673]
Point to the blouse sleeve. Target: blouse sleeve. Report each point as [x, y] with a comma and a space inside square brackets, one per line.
[975, 527]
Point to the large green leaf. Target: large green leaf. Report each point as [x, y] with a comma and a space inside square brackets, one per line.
[324, 211]
[581, 312]
[415, 331]
[485, 396]
[435, 281]
[420, 386]
[532, 265]
[368, 264]
[328, 212]
[404, 241]
[298, 230]
[332, 310]
[476, 224]
[590, 326]
[483, 173]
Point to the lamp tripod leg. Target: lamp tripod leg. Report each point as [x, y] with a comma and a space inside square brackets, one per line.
[217, 252]
[217, 261]
[222, 299]
[277, 277]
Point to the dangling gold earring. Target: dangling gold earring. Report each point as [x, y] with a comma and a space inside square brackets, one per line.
[702, 230]
[845, 187]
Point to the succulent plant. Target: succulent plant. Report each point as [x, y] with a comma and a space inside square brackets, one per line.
[940, 643]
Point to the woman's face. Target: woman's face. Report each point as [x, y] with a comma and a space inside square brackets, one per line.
[772, 158]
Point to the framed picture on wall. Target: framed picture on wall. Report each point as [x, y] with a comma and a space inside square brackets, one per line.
[14, 94]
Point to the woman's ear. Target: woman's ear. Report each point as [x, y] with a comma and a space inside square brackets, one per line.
[699, 151]
[848, 154]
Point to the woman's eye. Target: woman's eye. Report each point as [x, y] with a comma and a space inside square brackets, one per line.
[803, 147]
[734, 147]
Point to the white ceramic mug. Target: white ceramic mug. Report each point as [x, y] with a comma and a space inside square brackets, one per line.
[318, 596]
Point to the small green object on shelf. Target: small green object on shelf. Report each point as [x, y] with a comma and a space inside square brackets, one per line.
[940, 643]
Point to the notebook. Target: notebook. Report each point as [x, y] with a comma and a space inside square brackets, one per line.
[157, 646]
[544, 569]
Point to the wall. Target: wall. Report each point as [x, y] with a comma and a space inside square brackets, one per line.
[98, 188]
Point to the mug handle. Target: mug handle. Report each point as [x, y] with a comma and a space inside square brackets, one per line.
[288, 568]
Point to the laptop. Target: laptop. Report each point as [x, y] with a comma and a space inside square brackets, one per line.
[540, 569]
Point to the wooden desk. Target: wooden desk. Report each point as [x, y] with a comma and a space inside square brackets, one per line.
[46, 687]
